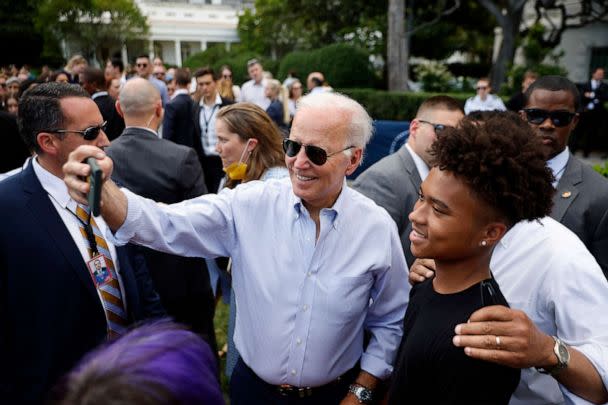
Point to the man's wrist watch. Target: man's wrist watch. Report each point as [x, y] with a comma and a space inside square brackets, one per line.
[364, 395]
[563, 358]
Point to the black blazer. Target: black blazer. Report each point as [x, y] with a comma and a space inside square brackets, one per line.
[166, 172]
[13, 151]
[178, 123]
[50, 312]
[107, 107]
[601, 95]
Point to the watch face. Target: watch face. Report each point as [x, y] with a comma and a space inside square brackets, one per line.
[563, 353]
[366, 395]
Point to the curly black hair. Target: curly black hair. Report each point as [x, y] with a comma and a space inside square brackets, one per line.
[502, 161]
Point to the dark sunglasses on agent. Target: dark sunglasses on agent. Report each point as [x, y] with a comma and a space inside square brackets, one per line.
[559, 118]
[88, 134]
[437, 127]
[315, 154]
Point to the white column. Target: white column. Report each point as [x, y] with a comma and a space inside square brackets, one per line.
[151, 49]
[123, 54]
[203, 45]
[178, 53]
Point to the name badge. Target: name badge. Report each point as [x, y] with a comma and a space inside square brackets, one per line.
[99, 270]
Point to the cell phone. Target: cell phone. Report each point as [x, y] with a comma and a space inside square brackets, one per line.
[94, 180]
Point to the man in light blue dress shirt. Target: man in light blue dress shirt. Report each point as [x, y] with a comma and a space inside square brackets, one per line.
[315, 264]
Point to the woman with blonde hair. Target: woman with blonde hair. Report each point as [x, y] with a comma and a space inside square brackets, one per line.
[75, 66]
[278, 109]
[250, 146]
[227, 88]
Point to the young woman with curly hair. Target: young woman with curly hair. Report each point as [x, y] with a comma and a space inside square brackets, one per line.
[488, 175]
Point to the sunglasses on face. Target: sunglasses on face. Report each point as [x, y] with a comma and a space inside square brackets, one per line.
[437, 127]
[142, 65]
[315, 154]
[227, 76]
[537, 116]
[481, 87]
[88, 134]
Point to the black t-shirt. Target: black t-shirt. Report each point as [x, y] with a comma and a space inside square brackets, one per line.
[430, 369]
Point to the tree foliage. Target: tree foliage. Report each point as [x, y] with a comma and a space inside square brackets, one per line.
[90, 23]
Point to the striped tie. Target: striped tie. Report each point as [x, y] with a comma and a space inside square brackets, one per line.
[111, 297]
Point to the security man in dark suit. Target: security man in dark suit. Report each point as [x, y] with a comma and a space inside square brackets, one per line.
[52, 309]
[93, 81]
[168, 173]
[178, 124]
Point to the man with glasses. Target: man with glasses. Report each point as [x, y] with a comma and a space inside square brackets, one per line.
[394, 181]
[253, 90]
[144, 69]
[484, 100]
[53, 309]
[314, 263]
[581, 198]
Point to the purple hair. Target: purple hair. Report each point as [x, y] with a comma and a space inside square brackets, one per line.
[157, 363]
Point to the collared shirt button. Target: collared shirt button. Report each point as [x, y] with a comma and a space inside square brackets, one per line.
[293, 372]
[304, 307]
[309, 274]
[298, 341]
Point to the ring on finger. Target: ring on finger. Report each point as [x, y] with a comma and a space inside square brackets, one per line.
[498, 342]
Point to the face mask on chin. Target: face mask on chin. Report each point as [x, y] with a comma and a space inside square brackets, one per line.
[237, 170]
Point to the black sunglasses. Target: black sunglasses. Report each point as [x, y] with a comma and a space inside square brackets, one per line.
[559, 118]
[316, 155]
[142, 65]
[88, 134]
[437, 127]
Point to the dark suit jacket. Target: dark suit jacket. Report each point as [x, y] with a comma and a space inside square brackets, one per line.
[166, 172]
[50, 312]
[601, 95]
[581, 204]
[107, 107]
[393, 183]
[178, 124]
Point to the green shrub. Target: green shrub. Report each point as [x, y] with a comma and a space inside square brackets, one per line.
[434, 76]
[344, 66]
[603, 170]
[388, 105]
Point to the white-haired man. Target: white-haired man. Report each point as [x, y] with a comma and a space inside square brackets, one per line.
[315, 264]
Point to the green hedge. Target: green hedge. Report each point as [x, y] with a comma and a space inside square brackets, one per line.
[388, 105]
[344, 66]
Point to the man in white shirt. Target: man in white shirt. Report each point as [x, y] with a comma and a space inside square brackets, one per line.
[252, 91]
[484, 100]
[204, 126]
[53, 309]
[315, 264]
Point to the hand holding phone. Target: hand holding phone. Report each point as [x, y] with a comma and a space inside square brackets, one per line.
[94, 180]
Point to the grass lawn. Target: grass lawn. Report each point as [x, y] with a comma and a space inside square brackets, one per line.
[221, 331]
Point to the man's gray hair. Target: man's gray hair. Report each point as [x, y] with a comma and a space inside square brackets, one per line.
[138, 97]
[360, 129]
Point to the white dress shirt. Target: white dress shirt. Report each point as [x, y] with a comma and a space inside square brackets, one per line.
[253, 92]
[61, 200]
[558, 165]
[421, 166]
[207, 124]
[302, 303]
[491, 103]
[544, 270]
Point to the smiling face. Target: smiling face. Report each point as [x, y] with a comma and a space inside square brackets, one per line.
[446, 224]
[319, 186]
[554, 138]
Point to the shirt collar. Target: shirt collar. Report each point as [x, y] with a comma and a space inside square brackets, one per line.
[178, 92]
[99, 94]
[145, 129]
[333, 211]
[53, 185]
[421, 166]
[558, 164]
[218, 101]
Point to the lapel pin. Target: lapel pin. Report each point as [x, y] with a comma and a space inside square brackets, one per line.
[566, 194]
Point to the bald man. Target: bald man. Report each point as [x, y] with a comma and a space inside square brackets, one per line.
[169, 173]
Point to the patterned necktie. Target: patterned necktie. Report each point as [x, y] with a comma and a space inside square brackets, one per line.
[111, 297]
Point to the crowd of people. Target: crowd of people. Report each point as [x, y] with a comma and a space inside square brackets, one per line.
[469, 266]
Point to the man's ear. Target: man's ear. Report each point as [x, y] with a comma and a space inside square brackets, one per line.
[414, 124]
[355, 160]
[119, 109]
[47, 142]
